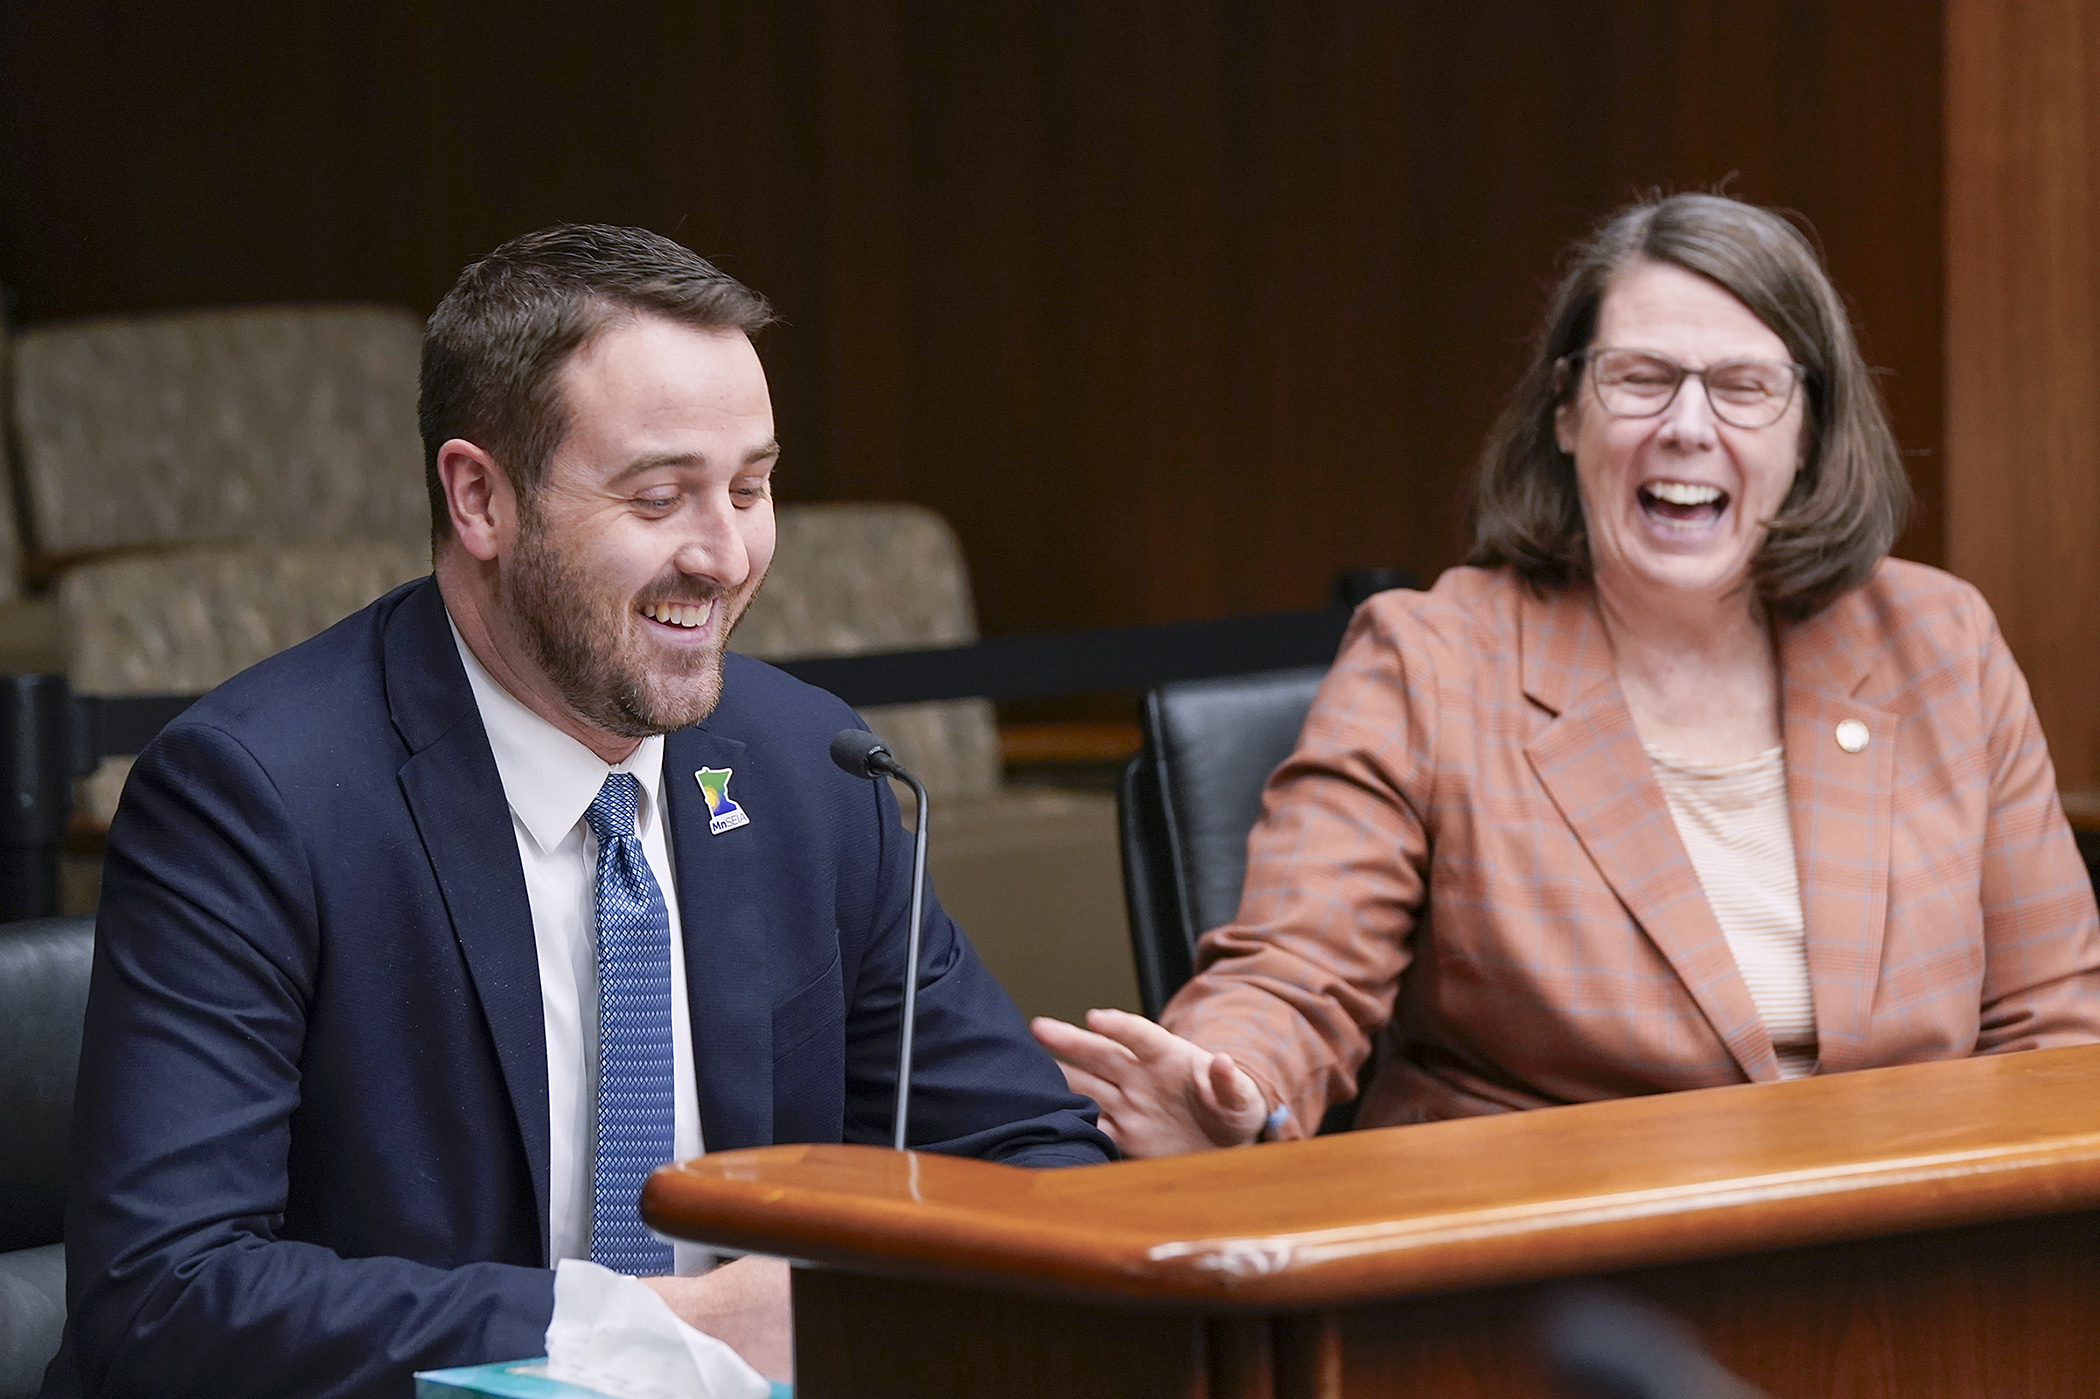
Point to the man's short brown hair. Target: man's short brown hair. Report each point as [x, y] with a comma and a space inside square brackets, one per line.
[1849, 498]
[495, 345]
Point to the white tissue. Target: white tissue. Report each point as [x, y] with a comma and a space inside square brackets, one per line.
[614, 1334]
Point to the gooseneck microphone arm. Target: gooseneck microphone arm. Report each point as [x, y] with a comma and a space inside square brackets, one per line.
[864, 755]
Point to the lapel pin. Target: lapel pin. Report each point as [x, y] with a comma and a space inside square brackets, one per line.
[722, 813]
[1851, 735]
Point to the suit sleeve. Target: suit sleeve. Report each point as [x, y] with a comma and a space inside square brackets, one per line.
[208, 951]
[2041, 982]
[981, 1085]
[1337, 870]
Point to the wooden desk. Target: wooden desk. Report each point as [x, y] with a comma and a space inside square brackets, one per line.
[1925, 1231]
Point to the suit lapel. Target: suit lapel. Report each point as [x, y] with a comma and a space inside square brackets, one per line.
[455, 797]
[1840, 804]
[1592, 764]
[723, 914]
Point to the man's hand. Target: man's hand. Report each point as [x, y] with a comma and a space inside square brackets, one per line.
[1159, 1094]
[743, 1304]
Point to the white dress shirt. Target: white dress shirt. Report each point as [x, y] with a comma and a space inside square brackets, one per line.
[550, 780]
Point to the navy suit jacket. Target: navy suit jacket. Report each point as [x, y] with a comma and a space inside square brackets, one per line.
[311, 1131]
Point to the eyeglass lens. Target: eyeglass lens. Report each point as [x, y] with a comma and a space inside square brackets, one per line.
[1744, 393]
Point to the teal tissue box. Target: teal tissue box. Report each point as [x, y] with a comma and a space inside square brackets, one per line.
[517, 1379]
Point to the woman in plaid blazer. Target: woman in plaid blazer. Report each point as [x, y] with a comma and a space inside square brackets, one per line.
[1469, 869]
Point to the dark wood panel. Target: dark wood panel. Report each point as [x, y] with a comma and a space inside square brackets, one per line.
[2023, 321]
[1953, 1314]
[921, 1341]
[1210, 301]
[1175, 308]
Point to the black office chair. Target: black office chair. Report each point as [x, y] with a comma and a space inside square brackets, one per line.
[2089, 851]
[1186, 803]
[43, 997]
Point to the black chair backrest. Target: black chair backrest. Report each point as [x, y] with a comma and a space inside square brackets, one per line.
[2089, 851]
[1186, 803]
[43, 998]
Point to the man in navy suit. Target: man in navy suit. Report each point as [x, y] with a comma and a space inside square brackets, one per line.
[399, 927]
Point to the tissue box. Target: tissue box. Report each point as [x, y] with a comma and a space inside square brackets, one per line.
[513, 1379]
[517, 1379]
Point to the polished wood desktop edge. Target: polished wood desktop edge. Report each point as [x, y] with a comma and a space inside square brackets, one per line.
[1408, 1210]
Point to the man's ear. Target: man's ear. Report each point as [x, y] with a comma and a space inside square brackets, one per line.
[478, 495]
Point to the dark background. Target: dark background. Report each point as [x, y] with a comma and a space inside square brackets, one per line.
[1173, 309]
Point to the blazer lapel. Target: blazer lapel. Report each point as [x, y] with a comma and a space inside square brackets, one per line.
[1592, 764]
[1840, 802]
[455, 797]
[722, 909]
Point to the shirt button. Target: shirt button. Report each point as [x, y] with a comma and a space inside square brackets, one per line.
[1851, 735]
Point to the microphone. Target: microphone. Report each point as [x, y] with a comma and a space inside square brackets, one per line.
[864, 755]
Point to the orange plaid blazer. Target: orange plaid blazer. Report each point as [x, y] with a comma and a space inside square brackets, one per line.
[1467, 868]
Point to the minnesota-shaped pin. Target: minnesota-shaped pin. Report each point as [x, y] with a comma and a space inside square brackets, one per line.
[722, 813]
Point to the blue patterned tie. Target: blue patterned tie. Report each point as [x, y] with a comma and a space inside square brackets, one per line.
[634, 1036]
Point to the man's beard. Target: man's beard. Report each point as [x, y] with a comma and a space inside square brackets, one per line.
[586, 640]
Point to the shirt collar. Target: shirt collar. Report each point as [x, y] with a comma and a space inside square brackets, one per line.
[549, 778]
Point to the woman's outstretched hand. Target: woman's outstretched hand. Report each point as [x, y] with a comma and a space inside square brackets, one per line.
[1159, 1094]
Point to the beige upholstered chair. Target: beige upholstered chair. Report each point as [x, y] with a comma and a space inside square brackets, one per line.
[10, 529]
[853, 579]
[28, 626]
[240, 426]
[185, 620]
[208, 487]
[1032, 875]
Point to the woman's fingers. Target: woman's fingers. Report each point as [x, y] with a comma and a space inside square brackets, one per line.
[1051, 1033]
[1114, 1042]
[1145, 1040]
[1097, 1054]
[1234, 1092]
[1234, 1100]
[1106, 1092]
[1159, 1093]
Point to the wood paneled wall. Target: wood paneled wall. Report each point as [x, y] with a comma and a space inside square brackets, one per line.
[1173, 308]
[2023, 337]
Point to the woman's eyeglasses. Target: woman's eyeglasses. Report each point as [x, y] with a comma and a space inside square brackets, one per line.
[1746, 393]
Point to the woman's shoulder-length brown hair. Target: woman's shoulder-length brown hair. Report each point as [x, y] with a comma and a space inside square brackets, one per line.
[1849, 498]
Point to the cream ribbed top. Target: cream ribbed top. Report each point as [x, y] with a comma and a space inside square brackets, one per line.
[1734, 823]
